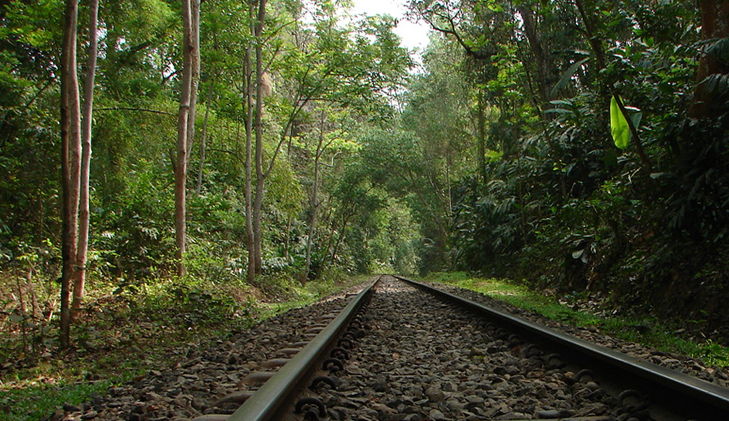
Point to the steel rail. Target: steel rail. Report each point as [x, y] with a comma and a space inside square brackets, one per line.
[684, 396]
[273, 399]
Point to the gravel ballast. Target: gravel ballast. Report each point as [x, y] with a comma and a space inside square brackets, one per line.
[419, 360]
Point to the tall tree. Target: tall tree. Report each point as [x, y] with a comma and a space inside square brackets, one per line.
[315, 201]
[186, 120]
[88, 108]
[251, 237]
[70, 163]
[258, 125]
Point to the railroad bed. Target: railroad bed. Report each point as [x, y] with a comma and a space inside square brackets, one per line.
[424, 359]
[405, 355]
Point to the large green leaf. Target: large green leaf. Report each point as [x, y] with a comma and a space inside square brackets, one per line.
[619, 128]
[567, 75]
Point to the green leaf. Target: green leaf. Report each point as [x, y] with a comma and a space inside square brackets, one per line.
[559, 111]
[16, 318]
[561, 102]
[567, 76]
[618, 125]
[716, 84]
[719, 49]
[635, 118]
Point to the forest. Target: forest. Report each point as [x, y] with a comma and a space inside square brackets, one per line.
[207, 149]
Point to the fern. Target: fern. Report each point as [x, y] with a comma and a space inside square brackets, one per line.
[568, 74]
[719, 50]
[716, 84]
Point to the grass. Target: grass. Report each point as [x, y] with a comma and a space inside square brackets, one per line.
[646, 331]
[128, 334]
[36, 401]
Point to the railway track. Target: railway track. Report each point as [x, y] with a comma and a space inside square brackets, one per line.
[395, 352]
[401, 350]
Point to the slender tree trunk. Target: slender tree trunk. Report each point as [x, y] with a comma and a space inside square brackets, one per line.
[185, 121]
[287, 242]
[331, 222]
[195, 77]
[250, 234]
[83, 223]
[203, 141]
[23, 312]
[541, 59]
[260, 176]
[340, 238]
[449, 189]
[596, 45]
[70, 163]
[481, 116]
[314, 201]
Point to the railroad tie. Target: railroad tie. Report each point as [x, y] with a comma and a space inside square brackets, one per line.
[212, 417]
[257, 377]
[289, 351]
[235, 397]
[275, 363]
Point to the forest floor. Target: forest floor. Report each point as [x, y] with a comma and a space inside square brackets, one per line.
[125, 335]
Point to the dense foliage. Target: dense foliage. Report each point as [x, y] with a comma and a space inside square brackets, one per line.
[603, 153]
[580, 145]
[326, 79]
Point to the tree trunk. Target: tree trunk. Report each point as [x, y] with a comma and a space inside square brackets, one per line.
[314, 201]
[203, 140]
[714, 25]
[340, 238]
[70, 163]
[481, 116]
[250, 234]
[541, 59]
[287, 241]
[83, 223]
[195, 76]
[260, 176]
[449, 189]
[596, 45]
[185, 121]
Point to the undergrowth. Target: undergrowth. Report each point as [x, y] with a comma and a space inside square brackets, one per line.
[646, 331]
[126, 332]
